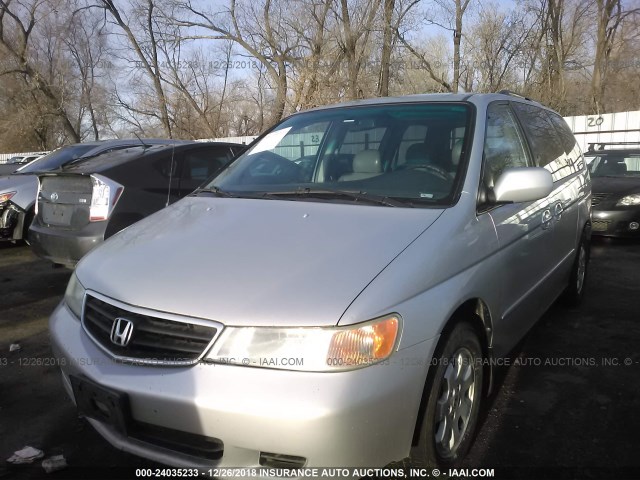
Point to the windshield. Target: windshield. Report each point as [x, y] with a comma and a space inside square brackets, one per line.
[615, 165]
[56, 158]
[410, 153]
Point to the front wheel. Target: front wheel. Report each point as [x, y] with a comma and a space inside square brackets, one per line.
[452, 397]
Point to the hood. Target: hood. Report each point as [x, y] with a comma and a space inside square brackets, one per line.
[621, 185]
[252, 262]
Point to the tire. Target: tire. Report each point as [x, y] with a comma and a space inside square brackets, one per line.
[574, 292]
[456, 383]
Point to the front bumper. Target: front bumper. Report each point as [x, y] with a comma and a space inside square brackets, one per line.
[363, 417]
[616, 223]
[65, 247]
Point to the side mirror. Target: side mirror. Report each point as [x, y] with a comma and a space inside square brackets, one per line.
[522, 184]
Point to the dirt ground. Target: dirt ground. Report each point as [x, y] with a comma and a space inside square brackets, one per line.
[567, 406]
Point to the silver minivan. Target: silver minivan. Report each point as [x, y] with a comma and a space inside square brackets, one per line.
[339, 294]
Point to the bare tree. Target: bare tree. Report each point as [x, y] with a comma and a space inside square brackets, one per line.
[19, 22]
[144, 43]
[609, 18]
[260, 28]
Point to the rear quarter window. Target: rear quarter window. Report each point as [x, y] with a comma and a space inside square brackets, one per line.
[548, 145]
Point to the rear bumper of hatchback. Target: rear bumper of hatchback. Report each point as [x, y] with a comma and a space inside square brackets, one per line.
[65, 247]
[616, 223]
[364, 417]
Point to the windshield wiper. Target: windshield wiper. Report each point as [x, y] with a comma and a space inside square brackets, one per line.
[216, 191]
[358, 196]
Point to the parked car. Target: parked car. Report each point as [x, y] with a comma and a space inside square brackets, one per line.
[615, 174]
[87, 202]
[18, 191]
[14, 163]
[337, 295]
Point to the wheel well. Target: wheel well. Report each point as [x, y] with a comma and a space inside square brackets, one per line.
[476, 313]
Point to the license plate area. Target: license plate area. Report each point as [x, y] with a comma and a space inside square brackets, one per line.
[600, 226]
[101, 403]
[56, 214]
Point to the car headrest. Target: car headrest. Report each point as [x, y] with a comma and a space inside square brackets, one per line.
[367, 161]
[417, 154]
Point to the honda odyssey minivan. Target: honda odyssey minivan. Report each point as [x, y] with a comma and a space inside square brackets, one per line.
[337, 295]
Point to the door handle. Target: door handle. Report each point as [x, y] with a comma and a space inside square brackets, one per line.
[546, 218]
[558, 209]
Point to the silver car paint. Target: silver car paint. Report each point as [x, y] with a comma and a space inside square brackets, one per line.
[422, 264]
[271, 251]
[312, 413]
[25, 186]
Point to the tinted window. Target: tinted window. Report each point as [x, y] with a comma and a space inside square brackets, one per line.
[57, 158]
[167, 166]
[545, 142]
[503, 145]
[199, 165]
[566, 135]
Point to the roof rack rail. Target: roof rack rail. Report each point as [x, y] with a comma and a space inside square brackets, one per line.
[592, 145]
[513, 94]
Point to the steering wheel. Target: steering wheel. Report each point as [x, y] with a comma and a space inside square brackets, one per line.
[276, 166]
[432, 169]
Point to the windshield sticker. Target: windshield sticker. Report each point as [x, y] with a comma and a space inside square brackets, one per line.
[426, 195]
[270, 141]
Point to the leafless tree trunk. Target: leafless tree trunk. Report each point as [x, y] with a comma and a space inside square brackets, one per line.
[387, 43]
[608, 20]
[148, 56]
[355, 32]
[461, 8]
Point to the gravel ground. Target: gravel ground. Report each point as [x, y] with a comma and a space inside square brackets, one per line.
[566, 406]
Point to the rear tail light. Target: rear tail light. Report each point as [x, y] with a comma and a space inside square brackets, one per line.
[104, 196]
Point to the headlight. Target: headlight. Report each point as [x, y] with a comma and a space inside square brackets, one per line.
[308, 349]
[629, 200]
[5, 197]
[74, 296]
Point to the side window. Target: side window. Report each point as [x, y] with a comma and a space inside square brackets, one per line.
[503, 144]
[198, 165]
[546, 143]
[566, 135]
[166, 167]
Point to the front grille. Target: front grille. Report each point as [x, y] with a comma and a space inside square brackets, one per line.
[596, 198]
[153, 340]
[600, 226]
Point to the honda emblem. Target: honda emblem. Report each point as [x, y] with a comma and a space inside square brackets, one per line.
[121, 331]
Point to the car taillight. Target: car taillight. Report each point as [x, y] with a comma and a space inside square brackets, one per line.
[103, 198]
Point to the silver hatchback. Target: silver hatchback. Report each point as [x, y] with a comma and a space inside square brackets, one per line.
[339, 295]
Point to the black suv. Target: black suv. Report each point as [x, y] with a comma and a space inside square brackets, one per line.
[616, 188]
[85, 203]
